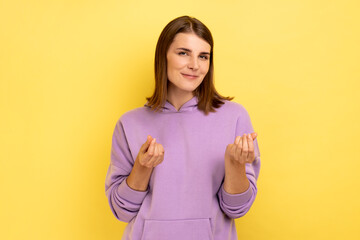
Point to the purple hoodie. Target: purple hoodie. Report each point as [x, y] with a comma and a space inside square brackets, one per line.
[185, 199]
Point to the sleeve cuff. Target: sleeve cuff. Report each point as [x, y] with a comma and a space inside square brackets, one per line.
[130, 194]
[235, 200]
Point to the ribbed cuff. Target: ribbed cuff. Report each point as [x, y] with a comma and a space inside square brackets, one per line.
[235, 200]
[130, 194]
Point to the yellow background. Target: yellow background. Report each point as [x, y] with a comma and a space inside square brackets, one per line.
[69, 69]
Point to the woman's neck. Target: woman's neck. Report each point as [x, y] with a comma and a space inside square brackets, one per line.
[177, 100]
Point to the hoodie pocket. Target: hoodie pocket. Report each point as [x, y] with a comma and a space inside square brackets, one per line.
[189, 229]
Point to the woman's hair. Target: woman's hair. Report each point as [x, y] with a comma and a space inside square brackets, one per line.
[208, 97]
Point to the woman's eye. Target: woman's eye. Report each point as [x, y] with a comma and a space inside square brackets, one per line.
[204, 57]
[182, 53]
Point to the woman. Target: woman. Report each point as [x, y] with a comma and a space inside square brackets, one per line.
[184, 165]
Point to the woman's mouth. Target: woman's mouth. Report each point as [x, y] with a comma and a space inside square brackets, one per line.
[189, 76]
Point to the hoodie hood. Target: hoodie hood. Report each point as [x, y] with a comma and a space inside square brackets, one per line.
[188, 106]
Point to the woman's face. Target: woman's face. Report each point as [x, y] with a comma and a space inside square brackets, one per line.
[188, 60]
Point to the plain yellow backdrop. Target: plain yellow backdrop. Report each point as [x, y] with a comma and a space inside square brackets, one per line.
[69, 69]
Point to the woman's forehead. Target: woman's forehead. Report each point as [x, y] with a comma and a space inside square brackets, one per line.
[190, 41]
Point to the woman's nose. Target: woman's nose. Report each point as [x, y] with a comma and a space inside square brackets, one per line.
[193, 63]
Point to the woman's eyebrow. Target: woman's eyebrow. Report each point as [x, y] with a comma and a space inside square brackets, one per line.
[188, 50]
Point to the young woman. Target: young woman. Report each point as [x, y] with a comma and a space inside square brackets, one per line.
[184, 165]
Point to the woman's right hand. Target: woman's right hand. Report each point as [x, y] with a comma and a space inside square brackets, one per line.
[151, 153]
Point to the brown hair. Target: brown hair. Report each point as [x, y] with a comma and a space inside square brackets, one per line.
[208, 97]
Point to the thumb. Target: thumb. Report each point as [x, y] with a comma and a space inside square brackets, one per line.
[254, 135]
[146, 145]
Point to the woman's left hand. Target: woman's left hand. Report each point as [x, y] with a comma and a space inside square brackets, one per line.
[242, 150]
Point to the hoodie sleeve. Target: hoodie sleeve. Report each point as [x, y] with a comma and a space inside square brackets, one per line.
[237, 205]
[124, 201]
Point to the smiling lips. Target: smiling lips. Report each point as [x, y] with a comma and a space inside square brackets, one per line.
[189, 76]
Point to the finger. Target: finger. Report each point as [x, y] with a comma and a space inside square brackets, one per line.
[151, 149]
[245, 148]
[155, 156]
[237, 139]
[161, 159]
[250, 144]
[146, 145]
[160, 156]
[161, 148]
[162, 153]
[250, 147]
[238, 149]
[147, 153]
[254, 135]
